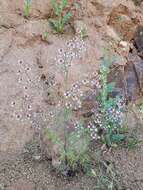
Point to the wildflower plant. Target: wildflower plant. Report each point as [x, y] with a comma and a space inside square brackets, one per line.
[73, 152]
[27, 7]
[106, 175]
[110, 115]
[107, 111]
[63, 17]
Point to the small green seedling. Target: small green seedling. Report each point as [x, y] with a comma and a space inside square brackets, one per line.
[77, 6]
[63, 18]
[83, 33]
[45, 36]
[141, 108]
[27, 8]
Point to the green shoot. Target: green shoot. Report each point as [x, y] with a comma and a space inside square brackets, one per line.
[62, 17]
[83, 33]
[45, 36]
[27, 8]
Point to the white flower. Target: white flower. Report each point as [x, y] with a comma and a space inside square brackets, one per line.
[13, 104]
[61, 61]
[20, 62]
[28, 116]
[74, 98]
[28, 69]
[19, 80]
[85, 81]
[29, 107]
[60, 51]
[68, 105]
[67, 94]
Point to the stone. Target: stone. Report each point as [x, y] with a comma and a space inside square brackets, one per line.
[110, 31]
[123, 44]
[121, 20]
[132, 88]
[139, 73]
[138, 39]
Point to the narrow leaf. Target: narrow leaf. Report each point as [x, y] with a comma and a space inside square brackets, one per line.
[110, 87]
[67, 17]
[63, 4]
[55, 7]
[118, 137]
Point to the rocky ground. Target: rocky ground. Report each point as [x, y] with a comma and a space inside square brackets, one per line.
[27, 66]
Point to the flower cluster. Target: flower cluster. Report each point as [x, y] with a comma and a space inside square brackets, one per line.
[93, 131]
[78, 127]
[115, 113]
[112, 116]
[74, 96]
[22, 104]
[73, 49]
[97, 126]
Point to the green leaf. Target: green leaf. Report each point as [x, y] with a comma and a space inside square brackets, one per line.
[76, 5]
[52, 136]
[110, 87]
[123, 130]
[141, 108]
[53, 24]
[117, 137]
[55, 7]
[109, 103]
[63, 4]
[66, 17]
[107, 140]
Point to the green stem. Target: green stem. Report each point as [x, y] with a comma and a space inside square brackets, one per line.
[65, 116]
[61, 24]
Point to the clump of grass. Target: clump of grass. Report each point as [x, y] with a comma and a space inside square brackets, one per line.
[27, 8]
[106, 175]
[132, 140]
[62, 17]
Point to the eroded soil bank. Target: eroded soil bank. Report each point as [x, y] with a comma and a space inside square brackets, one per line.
[27, 66]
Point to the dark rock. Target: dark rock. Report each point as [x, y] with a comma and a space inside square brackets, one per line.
[138, 67]
[132, 89]
[138, 40]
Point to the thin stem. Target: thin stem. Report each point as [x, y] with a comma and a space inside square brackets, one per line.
[65, 114]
